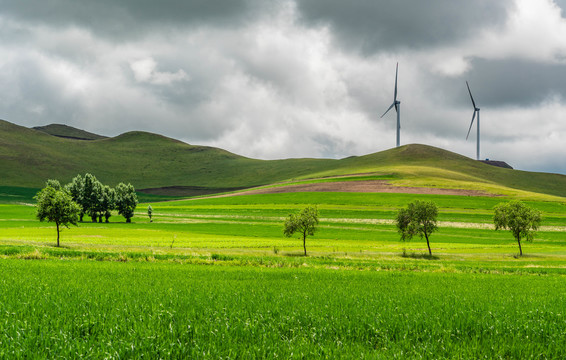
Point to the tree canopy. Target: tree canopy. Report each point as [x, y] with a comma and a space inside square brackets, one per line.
[55, 204]
[521, 220]
[98, 200]
[304, 223]
[126, 200]
[419, 218]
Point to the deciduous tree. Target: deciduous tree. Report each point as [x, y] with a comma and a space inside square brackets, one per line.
[419, 218]
[92, 196]
[108, 202]
[55, 204]
[76, 189]
[521, 220]
[126, 200]
[304, 223]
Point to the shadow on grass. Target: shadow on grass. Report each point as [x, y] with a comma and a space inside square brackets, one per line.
[295, 255]
[525, 256]
[418, 256]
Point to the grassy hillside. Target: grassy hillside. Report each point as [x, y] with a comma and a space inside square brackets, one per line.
[28, 157]
[421, 165]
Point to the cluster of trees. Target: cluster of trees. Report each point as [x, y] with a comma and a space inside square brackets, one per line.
[98, 200]
[67, 205]
[420, 218]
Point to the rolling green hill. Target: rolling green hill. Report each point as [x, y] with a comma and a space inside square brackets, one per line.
[28, 157]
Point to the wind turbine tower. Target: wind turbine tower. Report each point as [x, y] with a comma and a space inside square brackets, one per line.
[476, 111]
[397, 105]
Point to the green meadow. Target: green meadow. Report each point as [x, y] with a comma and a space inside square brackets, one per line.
[70, 309]
[216, 278]
[352, 225]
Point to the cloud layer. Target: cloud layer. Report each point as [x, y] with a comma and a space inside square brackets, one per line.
[310, 78]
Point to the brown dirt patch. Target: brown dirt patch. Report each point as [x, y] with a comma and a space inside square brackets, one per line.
[364, 186]
[186, 190]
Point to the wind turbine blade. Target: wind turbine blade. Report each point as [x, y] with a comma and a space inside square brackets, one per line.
[388, 109]
[396, 107]
[471, 97]
[396, 72]
[472, 123]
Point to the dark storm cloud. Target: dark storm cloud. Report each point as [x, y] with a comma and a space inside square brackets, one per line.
[386, 25]
[503, 83]
[124, 19]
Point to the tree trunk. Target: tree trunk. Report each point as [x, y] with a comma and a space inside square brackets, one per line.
[305, 243]
[128, 220]
[519, 242]
[428, 244]
[57, 233]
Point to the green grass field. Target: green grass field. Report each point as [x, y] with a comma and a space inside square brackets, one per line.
[69, 309]
[351, 223]
[215, 278]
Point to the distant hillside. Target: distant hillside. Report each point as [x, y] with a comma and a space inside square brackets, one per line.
[28, 157]
[68, 132]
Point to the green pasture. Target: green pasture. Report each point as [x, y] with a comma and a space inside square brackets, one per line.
[75, 309]
[216, 278]
[352, 225]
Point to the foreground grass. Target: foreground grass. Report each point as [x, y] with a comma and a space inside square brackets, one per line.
[123, 310]
[215, 278]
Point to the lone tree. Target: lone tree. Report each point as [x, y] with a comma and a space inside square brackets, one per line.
[520, 219]
[55, 204]
[304, 223]
[418, 218]
[126, 200]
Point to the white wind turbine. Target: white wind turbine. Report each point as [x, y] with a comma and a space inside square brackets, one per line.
[397, 105]
[476, 111]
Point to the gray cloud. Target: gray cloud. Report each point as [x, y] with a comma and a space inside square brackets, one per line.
[512, 82]
[561, 4]
[375, 26]
[127, 19]
[500, 83]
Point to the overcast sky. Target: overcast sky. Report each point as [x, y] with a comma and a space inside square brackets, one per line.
[305, 78]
